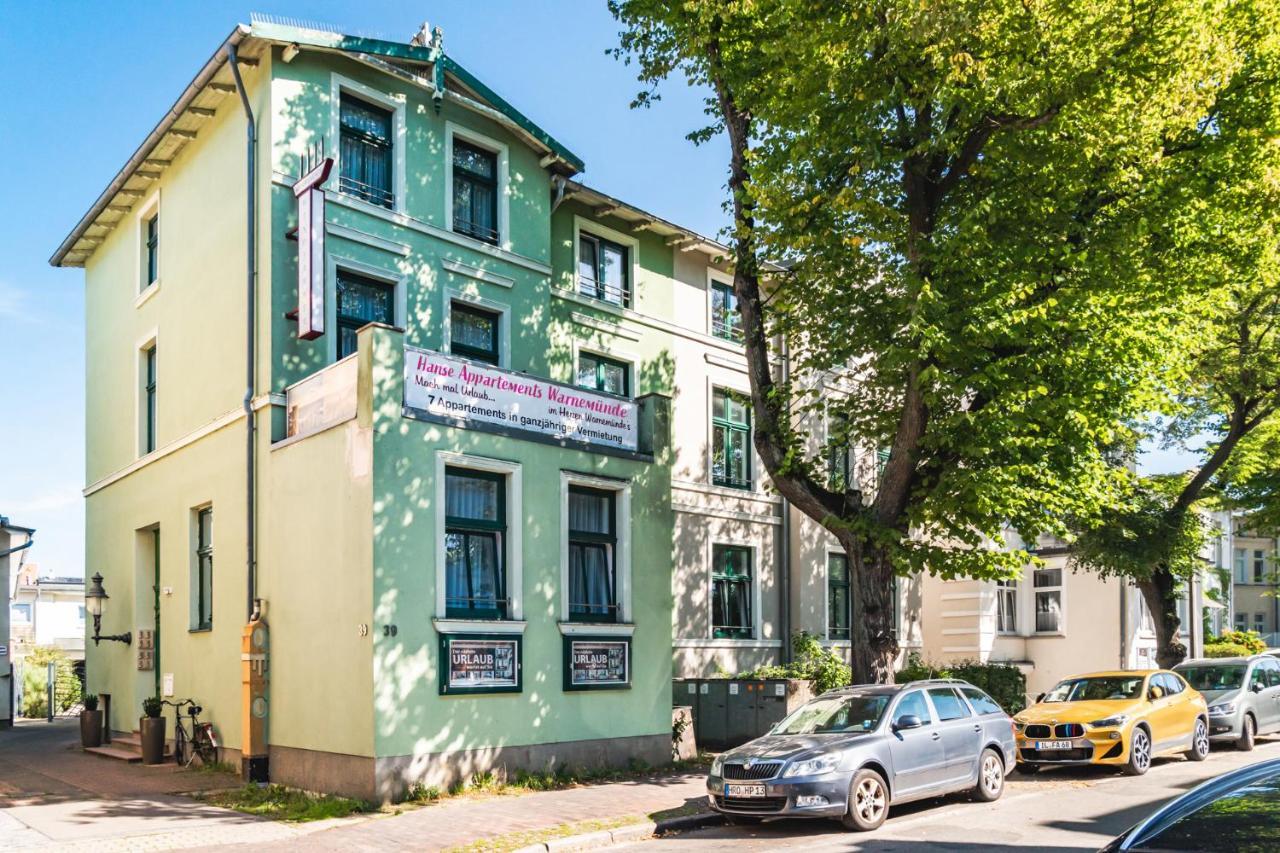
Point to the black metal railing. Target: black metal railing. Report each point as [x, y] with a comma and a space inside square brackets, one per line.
[366, 192]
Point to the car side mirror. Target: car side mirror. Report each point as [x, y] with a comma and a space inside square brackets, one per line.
[1255, 687]
[1155, 693]
[907, 721]
[1039, 698]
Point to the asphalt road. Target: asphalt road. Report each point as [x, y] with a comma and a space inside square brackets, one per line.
[1058, 810]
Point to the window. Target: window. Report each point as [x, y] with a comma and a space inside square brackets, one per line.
[1146, 624]
[1260, 623]
[603, 374]
[949, 705]
[914, 705]
[893, 603]
[151, 246]
[731, 592]
[80, 612]
[1048, 589]
[1272, 670]
[473, 332]
[1242, 573]
[204, 569]
[1258, 680]
[475, 530]
[593, 540]
[365, 155]
[475, 191]
[981, 702]
[361, 301]
[1172, 684]
[1242, 620]
[603, 270]
[1259, 566]
[726, 321]
[730, 440]
[838, 452]
[837, 597]
[21, 612]
[149, 400]
[1007, 607]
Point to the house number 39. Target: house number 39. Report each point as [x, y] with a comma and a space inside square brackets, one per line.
[389, 630]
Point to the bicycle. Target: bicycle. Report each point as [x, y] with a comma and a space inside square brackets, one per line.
[198, 742]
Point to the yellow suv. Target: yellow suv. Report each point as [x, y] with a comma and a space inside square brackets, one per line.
[1121, 718]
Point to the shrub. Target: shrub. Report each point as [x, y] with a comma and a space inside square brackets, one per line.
[151, 706]
[1226, 650]
[35, 682]
[1248, 640]
[91, 701]
[1003, 682]
[812, 662]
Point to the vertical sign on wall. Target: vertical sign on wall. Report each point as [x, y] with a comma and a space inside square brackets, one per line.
[311, 250]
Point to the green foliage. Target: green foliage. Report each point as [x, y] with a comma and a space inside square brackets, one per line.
[419, 793]
[35, 682]
[287, 804]
[1251, 641]
[812, 662]
[1226, 650]
[152, 706]
[1003, 682]
[90, 701]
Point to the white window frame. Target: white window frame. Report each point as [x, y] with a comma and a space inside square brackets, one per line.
[715, 275]
[757, 622]
[628, 358]
[1008, 589]
[334, 263]
[632, 246]
[622, 557]
[513, 559]
[471, 297]
[503, 156]
[830, 552]
[393, 102]
[144, 345]
[1061, 589]
[145, 290]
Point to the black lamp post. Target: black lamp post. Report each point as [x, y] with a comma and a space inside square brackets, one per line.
[94, 599]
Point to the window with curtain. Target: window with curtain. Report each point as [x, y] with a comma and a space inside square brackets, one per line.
[837, 597]
[1007, 607]
[604, 271]
[475, 532]
[473, 332]
[360, 301]
[731, 592]
[365, 157]
[603, 374]
[593, 541]
[149, 398]
[1048, 591]
[839, 471]
[726, 321]
[152, 250]
[204, 568]
[475, 191]
[730, 439]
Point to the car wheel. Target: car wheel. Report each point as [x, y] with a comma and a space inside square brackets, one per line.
[868, 801]
[1248, 729]
[1199, 742]
[1139, 752]
[990, 777]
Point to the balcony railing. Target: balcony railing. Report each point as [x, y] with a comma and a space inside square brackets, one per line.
[366, 192]
[613, 294]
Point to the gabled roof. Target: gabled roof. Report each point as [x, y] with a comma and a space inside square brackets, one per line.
[428, 67]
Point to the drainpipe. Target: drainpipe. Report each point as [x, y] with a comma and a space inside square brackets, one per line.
[251, 274]
[1124, 625]
[784, 582]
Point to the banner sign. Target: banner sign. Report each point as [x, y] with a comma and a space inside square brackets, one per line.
[311, 261]
[470, 395]
[479, 664]
[597, 663]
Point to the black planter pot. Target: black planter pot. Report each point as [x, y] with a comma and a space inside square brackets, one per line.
[151, 730]
[90, 729]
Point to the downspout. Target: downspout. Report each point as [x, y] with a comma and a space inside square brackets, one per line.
[1124, 625]
[16, 548]
[251, 275]
[785, 563]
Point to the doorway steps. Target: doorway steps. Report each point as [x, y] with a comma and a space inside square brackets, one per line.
[127, 748]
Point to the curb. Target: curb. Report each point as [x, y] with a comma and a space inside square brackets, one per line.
[623, 834]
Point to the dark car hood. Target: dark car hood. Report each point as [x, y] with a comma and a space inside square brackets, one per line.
[781, 747]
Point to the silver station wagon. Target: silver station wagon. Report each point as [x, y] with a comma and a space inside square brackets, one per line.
[852, 753]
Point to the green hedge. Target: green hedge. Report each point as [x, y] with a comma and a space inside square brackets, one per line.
[1226, 650]
[1003, 682]
[812, 662]
[1250, 641]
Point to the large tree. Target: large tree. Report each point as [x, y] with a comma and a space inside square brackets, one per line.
[958, 194]
[1223, 218]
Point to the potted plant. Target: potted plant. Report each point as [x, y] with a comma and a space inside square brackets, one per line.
[90, 722]
[151, 730]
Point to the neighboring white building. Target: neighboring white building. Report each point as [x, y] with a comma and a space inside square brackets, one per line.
[14, 542]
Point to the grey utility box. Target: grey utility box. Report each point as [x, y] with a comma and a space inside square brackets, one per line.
[731, 711]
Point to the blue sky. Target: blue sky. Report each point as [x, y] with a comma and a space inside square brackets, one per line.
[89, 80]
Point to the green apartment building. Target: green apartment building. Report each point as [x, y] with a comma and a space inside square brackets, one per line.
[461, 493]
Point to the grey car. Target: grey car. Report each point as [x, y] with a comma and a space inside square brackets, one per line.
[852, 753]
[1243, 695]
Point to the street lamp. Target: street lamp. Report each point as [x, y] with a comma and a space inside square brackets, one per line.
[94, 599]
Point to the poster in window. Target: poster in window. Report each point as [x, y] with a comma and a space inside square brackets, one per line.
[478, 664]
[597, 663]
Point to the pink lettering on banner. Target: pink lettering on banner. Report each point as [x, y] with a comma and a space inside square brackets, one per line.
[490, 395]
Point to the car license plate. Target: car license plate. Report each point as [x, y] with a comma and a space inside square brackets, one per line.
[1053, 744]
[744, 790]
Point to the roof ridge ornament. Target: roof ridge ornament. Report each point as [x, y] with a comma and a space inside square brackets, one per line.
[428, 37]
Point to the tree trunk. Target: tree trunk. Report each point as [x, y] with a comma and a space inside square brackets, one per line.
[1161, 597]
[874, 652]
